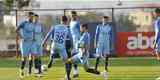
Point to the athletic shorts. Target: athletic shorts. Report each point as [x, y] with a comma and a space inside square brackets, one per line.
[103, 50]
[61, 50]
[27, 48]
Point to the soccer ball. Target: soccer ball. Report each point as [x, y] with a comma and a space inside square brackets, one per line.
[158, 78]
[44, 67]
[105, 75]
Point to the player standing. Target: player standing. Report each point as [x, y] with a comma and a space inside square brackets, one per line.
[75, 31]
[69, 47]
[103, 41]
[83, 54]
[38, 37]
[25, 32]
[157, 33]
[58, 35]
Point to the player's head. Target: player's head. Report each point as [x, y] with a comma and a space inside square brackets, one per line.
[74, 15]
[105, 19]
[36, 17]
[30, 16]
[157, 11]
[84, 27]
[64, 19]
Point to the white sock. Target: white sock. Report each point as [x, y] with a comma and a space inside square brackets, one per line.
[75, 71]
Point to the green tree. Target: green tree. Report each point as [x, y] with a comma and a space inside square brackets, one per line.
[90, 17]
[8, 4]
[22, 3]
[124, 24]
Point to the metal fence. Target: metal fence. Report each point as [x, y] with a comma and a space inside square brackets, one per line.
[124, 19]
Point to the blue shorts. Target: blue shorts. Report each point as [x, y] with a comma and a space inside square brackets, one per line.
[27, 48]
[102, 50]
[38, 49]
[61, 50]
[80, 58]
[75, 43]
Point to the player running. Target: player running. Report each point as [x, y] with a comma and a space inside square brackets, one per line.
[25, 32]
[103, 41]
[58, 35]
[75, 31]
[83, 54]
[38, 37]
[157, 33]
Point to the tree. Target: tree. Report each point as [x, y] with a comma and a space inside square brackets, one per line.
[90, 17]
[22, 3]
[8, 4]
[124, 24]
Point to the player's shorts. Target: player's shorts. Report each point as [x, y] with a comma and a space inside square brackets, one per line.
[75, 43]
[79, 58]
[60, 49]
[38, 50]
[27, 48]
[102, 50]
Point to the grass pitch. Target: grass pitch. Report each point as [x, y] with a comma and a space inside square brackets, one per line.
[132, 68]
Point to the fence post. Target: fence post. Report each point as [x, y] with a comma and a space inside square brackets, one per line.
[115, 31]
[16, 17]
[64, 12]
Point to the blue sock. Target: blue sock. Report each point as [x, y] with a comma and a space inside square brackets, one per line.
[52, 56]
[36, 63]
[30, 66]
[68, 69]
[39, 65]
[75, 66]
[23, 64]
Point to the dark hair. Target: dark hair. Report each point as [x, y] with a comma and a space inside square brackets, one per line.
[36, 15]
[64, 18]
[157, 10]
[73, 12]
[30, 13]
[106, 17]
[84, 26]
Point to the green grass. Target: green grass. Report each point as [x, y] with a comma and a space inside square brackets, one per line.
[133, 68]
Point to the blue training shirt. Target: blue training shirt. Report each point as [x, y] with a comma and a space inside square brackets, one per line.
[26, 30]
[75, 28]
[38, 32]
[58, 34]
[103, 33]
[85, 40]
[157, 30]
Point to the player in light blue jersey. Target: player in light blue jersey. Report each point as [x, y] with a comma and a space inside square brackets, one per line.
[59, 35]
[25, 32]
[83, 54]
[157, 33]
[38, 38]
[103, 41]
[75, 31]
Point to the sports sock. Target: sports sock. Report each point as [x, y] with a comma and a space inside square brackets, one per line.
[30, 66]
[97, 62]
[23, 62]
[106, 64]
[68, 69]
